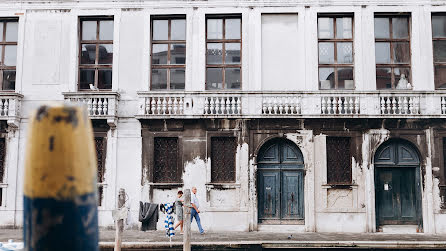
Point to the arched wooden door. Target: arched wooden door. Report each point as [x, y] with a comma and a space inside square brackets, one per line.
[397, 184]
[280, 176]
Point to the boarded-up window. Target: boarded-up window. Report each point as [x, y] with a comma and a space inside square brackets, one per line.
[2, 167]
[280, 51]
[165, 159]
[100, 143]
[223, 150]
[339, 164]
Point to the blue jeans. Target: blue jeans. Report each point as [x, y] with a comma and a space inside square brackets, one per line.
[194, 214]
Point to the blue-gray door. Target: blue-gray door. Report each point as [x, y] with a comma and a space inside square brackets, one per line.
[280, 182]
[397, 184]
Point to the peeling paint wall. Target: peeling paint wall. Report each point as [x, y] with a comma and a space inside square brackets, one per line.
[47, 66]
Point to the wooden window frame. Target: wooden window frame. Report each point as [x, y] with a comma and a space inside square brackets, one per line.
[223, 41]
[335, 40]
[3, 43]
[392, 40]
[434, 39]
[169, 65]
[96, 66]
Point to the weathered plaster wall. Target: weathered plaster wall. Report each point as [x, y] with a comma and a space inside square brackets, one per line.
[47, 66]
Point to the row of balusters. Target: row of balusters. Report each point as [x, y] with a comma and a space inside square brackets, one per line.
[400, 105]
[443, 105]
[227, 105]
[4, 107]
[175, 105]
[340, 105]
[222, 105]
[95, 106]
[164, 105]
[281, 105]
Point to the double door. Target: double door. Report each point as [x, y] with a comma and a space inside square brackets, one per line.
[280, 184]
[397, 196]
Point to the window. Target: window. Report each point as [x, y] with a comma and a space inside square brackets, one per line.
[443, 185]
[439, 45]
[335, 42]
[339, 161]
[392, 52]
[101, 144]
[2, 168]
[165, 158]
[8, 53]
[96, 53]
[168, 53]
[223, 52]
[223, 151]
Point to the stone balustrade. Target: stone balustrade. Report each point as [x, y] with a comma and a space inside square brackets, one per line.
[100, 105]
[10, 103]
[253, 104]
[281, 104]
[399, 104]
[340, 104]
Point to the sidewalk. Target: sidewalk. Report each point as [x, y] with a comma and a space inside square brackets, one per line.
[157, 239]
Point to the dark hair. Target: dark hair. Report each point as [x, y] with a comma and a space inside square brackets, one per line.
[180, 192]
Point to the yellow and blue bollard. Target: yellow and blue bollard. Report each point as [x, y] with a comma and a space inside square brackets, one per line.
[60, 206]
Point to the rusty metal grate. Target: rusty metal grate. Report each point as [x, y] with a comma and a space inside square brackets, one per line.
[100, 195]
[223, 150]
[165, 169]
[100, 144]
[2, 159]
[443, 186]
[100, 154]
[339, 166]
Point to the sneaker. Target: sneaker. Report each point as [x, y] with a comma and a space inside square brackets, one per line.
[202, 233]
[181, 233]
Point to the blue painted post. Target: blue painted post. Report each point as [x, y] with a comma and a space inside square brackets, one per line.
[60, 205]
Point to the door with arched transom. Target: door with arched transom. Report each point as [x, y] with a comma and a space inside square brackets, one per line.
[397, 184]
[280, 182]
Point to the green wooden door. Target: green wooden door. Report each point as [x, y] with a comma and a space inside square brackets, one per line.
[396, 200]
[280, 183]
[397, 184]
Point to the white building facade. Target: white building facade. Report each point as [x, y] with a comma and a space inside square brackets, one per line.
[317, 116]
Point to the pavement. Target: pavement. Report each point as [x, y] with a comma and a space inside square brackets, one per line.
[138, 240]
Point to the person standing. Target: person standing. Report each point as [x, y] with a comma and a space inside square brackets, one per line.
[179, 210]
[194, 212]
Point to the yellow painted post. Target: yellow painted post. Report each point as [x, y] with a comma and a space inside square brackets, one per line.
[60, 205]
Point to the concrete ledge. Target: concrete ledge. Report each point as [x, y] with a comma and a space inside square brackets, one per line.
[286, 244]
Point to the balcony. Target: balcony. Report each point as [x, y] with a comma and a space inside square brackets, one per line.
[314, 104]
[100, 105]
[10, 108]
